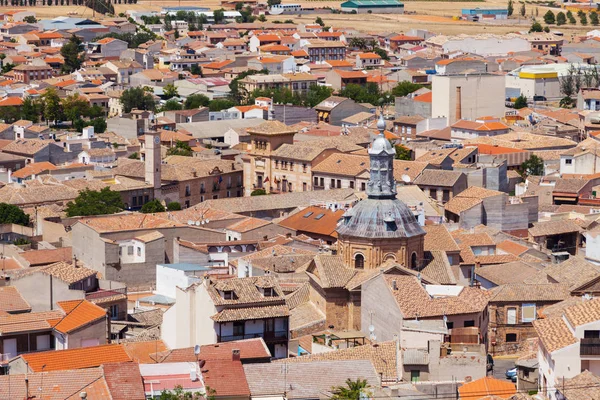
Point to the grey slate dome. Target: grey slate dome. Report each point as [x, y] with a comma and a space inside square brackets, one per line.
[380, 218]
[381, 215]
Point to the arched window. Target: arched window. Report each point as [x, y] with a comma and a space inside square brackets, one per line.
[389, 256]
[413, 261]
[359, 261]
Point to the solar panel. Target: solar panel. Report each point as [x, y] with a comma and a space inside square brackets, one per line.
[319, 216]
[308, 214]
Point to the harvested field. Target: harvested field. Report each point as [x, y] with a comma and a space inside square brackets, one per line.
[435, 16]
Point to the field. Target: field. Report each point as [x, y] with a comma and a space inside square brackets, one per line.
[435, 16]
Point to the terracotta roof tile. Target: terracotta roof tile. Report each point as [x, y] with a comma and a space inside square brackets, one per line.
[79, 314]
[382, 355]
[85, 357]
[554, 333]
[12, 301]
[484, 387]
[60, 270]
[47, 256]
[520, 292]
[314, 219]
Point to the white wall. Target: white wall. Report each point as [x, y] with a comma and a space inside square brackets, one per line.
[482, 95]
[168, 279]
[492, 46]
[139, 251]
[592, 248]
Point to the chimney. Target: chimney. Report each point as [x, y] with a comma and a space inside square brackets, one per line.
[233, 166]
[395, 284]
[27, 388]
[235, 354]
[458, 103]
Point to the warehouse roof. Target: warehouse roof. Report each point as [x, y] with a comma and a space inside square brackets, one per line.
[372, 3]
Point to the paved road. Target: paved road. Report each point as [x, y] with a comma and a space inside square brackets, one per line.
[501, 365]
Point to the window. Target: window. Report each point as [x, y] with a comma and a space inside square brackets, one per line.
[415, 375]
[511, 337]
[359, 261]
[363, 186]
[351, 184]
[569, 161]
[449, 324]
[528, 312]
[238, 328]
[413, 261]
[269, 292]
[129, 250]
[304, 187]
[469, 323]
[591, 334]
[316, 181]
[139, 251]
[114, 311]
[511, 316]
[229, 295]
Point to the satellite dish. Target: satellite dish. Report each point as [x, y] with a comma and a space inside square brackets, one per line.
[197, 223]
[207, 221]
[371, 329]
[190, 222]
[202, 222]
[196, 349]
[405, 178]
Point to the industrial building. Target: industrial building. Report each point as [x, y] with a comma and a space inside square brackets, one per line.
[467, 96]
[373, 6]
[478, 14]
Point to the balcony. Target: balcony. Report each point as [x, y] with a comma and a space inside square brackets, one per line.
[267, 336]
[202, 190]
[589, 347]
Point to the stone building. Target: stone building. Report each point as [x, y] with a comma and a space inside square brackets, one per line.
[381, 227]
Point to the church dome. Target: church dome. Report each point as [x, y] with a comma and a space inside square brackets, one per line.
[380, 218]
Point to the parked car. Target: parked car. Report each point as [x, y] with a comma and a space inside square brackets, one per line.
[510, 373]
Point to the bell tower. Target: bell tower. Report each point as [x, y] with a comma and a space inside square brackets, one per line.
[382, 184]
[152, 160]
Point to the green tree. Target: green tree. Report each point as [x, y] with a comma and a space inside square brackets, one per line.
[381, 53]
[99, 125]
[316, 94]
[271, 3]
[405, 88]
[583, 18]
[7, 67]
[522, 11]
[403, 153]
[571, 18]
[10, 114]
[11, 214]
[95, 202]
[533, 166]
[319, 21]
[153, 206]
[134, 156]
[546, 29]
[549, 18]
[567, 102]
[561, 19]
[137, 97]
[352, 390]
[358, 43]
[258, 192]
[196, 101]
[219, 16]
[196, 70]
[31, 109]
[52, 105]
[536, 27]
[521, 102]
[73, 54]
[172, 105]
[170, 90]
[238, 6]
[180, 149]
[220, 104]
[30, 19]
[594, 18]
[262, 17]
[510, 8]
[173, 206]
[75, 107]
